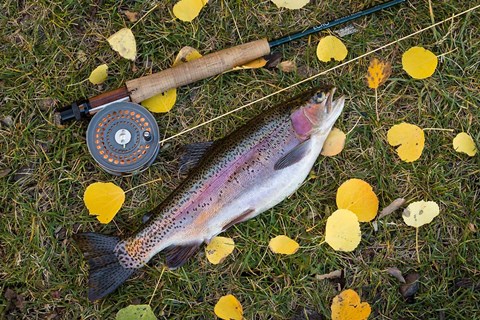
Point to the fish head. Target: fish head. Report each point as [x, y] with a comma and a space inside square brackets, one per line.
[318, 114]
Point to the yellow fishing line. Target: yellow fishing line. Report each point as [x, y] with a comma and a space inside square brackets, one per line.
[319, 74]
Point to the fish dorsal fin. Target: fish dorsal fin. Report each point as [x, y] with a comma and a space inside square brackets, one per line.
[176, 256]
[294, 156]
[192, 155]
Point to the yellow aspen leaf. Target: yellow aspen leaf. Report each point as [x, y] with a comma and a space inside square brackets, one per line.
[347, 305]
[164, 102]
[290, 4]
[103, 200]
[218, 249]
[419, 213]
[186, 54]
[123, 41]
[378, 72]
[334, 143]
[330, 48]
[255, 64]
[419, 62]
[228, 308]
[410, 138]
[464, 143]
[342, 231]
[357, 196]
[187, 10]
[99, 75]
[283, 245]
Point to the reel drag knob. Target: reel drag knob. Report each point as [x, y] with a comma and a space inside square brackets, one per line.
[123, 138]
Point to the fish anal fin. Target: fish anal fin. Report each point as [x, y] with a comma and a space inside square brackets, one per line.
[242, 217]
[192, 155]
[295, 155]
[176, 256]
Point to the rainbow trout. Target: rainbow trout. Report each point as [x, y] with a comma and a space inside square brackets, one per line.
[240, 176]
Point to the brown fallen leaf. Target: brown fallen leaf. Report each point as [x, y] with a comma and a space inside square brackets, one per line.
[131, 16]
[471, 226]
[411, 286]
[4, 172]
[332, 275]
[273, 59]
[287, 66]
[395, 205]
[396, 273]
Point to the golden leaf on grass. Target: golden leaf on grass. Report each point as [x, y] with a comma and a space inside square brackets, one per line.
[123, 41]
[342, 232]
[419, 213]
[378, 72]
[347, 305]
[357, 196]
[334, 143]
[103, 200]
[330, 48]
[464, 143]
[218, 249]
[229, 308]
[186, 54]
[283, 245]
[410, 138]
[99, 75]
[255, 64]
[419, 62]
[290, 4]
[164, 102]
[187, 10]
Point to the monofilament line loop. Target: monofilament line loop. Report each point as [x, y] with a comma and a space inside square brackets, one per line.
[318, 74]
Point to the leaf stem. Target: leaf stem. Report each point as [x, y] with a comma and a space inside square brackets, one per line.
[146, 14]
[416, 245]
[143, 184]
[376, 104]
[156, 286]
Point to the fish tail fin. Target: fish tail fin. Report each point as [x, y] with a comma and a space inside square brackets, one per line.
[106, 273]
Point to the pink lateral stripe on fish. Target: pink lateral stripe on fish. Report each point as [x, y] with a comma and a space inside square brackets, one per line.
[242, 175]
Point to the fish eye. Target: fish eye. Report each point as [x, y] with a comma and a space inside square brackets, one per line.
[320, 97]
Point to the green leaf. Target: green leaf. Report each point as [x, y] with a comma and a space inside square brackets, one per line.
[136, 312]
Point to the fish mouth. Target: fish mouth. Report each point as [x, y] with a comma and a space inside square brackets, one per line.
[332, 108]
[325, 110]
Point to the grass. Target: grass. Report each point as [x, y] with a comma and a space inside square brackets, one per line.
[41, 197]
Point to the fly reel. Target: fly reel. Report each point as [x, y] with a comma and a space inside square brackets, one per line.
[123, 138]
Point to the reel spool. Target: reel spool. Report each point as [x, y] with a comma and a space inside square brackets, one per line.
[123, 138]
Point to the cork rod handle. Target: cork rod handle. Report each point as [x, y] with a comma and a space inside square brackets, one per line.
[189, 72]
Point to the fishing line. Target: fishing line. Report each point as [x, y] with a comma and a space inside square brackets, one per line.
[316, 75]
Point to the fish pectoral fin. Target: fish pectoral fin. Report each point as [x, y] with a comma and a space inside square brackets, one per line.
[242, 217]
[176, 256]
[192, 155]
[294, 156]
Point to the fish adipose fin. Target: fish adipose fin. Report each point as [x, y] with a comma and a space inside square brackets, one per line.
[176, 256]
[192, 155]
[106, 273]
[295, 155]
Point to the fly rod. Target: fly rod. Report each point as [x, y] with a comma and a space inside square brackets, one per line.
[212, 64]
